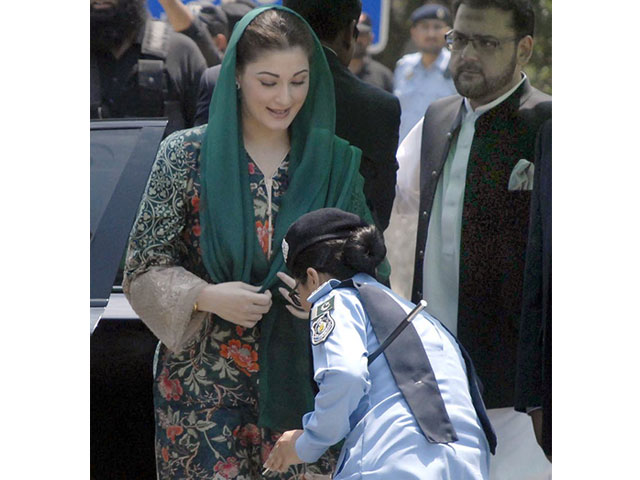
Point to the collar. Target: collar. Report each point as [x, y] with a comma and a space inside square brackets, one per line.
[330, 49]
[485, 108]
[329, 285]
[441, 62]
[322, 290]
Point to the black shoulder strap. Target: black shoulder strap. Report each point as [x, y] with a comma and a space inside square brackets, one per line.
[412, 370]
[475, 389]
[409, 365]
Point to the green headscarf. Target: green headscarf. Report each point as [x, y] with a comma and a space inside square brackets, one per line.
[323, 172]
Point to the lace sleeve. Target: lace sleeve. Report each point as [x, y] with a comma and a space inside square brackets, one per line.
[161, 291]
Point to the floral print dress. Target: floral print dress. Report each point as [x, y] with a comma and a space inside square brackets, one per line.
[205, 395]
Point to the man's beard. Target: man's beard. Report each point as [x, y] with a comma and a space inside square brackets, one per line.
[109, 29]
[481, 87]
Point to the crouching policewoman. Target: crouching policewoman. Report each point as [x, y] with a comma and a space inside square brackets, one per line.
[412, 411]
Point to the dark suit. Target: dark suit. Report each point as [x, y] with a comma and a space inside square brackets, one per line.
[494, 227]
[205, 92]
[533, 381]
[366, 116]
[369, 118]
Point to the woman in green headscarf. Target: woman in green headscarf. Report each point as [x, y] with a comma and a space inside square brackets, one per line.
[233, 368]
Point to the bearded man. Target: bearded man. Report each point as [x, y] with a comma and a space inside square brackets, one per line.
[140, 67]
[468, 167]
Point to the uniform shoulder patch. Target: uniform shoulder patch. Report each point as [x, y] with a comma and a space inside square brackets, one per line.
[321, 328]
[324, 307]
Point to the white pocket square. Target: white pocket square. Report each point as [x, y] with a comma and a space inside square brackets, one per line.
[522, 176]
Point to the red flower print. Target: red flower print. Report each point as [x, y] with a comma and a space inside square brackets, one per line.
[195, 203]
[228, 469]
[242, 354]
[263, 235]
[165, 454]
[252, 168]
[196, 230]
[248, 435]
[170, 389]
[239, 330]
[172, 431]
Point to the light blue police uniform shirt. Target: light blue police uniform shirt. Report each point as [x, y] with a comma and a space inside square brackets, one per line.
[416, 86]
[363, 403]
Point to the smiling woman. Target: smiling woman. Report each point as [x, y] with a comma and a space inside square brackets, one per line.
[201, 267]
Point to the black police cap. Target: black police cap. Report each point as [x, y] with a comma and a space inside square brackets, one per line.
[431, 11]
[318, 226]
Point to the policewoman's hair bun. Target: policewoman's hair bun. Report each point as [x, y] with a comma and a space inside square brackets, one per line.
[332, 241]
[364, 249]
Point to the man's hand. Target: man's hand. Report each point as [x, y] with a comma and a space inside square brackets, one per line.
[284, 452]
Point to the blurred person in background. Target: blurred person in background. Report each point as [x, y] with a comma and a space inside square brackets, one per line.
[366, 116]
[423, 76]
[236, 9]
[140, 67]
[223, 18]
[362, 65]
[216, 21]
[185, 19]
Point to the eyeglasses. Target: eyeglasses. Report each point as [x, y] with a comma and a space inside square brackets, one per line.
[485, 45]
[294, 296]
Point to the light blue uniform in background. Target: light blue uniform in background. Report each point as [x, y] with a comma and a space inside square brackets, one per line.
[417, 87]
[363, 403]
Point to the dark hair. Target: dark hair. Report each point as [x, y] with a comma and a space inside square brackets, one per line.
[524, 18]
[215, 19]
[326, 17]
[342, 258]
[272, 30]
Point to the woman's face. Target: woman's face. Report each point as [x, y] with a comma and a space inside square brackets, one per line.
[273, 88]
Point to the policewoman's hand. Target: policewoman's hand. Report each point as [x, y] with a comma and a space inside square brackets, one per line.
[284, 452]
[236, 302]
[295, 309]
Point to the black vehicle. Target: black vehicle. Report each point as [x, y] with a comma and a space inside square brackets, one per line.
[122, 347]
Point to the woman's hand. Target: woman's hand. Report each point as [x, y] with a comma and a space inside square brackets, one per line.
[236, 302]
[296, 310]
[284, 452]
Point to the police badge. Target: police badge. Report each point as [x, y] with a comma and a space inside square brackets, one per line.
[321, 327]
